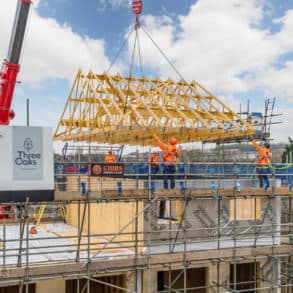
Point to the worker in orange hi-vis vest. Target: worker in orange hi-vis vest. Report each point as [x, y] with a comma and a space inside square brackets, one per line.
[171, 153]
[155, 162]
[264, 161]
[33, 230]
[110, 158]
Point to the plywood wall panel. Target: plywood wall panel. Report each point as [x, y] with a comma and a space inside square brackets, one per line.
[106, 219]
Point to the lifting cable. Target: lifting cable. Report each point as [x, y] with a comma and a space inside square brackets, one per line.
[139, 56]
[120, 50]
[136, 26]
[163, 54]
[131, 68]
[137, 9]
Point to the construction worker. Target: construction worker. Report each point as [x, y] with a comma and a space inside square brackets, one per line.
[263, 162]
[155, 162]
[110, 158]
[33, 230]
[171, 153]
[64, 150]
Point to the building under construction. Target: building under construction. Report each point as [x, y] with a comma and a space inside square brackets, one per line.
[105, 230]
[74, 223]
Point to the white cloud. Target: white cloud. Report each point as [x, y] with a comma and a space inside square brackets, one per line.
[51, 50]
[223, 45]
[283, 37]
[277, 82]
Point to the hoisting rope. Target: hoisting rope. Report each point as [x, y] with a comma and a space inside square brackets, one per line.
[130, 71]
[120, 49]
[139, 55]
[137, 9]
[163, 54]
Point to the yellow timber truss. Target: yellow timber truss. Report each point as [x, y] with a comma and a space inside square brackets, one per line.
[128, 110]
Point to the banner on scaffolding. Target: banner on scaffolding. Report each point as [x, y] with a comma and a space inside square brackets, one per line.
[107, 169]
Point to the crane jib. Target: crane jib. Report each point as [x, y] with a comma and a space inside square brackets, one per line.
[10, 68]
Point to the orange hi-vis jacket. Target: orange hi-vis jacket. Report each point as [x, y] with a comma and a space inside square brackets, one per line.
[264, 154]
[110, 159]
[170, 152]
[154, 158]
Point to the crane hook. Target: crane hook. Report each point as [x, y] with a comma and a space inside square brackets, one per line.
[137, 6]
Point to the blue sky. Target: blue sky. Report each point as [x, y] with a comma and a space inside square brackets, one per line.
[237, 49]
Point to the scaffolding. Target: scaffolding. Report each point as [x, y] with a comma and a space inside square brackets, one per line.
[218, 232]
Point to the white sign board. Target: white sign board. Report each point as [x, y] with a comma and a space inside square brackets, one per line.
[26, 160]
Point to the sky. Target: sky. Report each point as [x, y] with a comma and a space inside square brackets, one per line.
[237, 49]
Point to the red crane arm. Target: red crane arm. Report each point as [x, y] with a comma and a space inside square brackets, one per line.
[10, 67]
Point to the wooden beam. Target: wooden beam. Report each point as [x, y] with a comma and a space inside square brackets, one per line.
[175, 193]
[106, 265]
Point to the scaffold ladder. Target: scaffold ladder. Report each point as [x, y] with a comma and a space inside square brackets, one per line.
[62, 210]
[40, 214]
[42, 209]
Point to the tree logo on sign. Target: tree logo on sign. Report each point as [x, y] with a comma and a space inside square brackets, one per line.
[28, 144]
